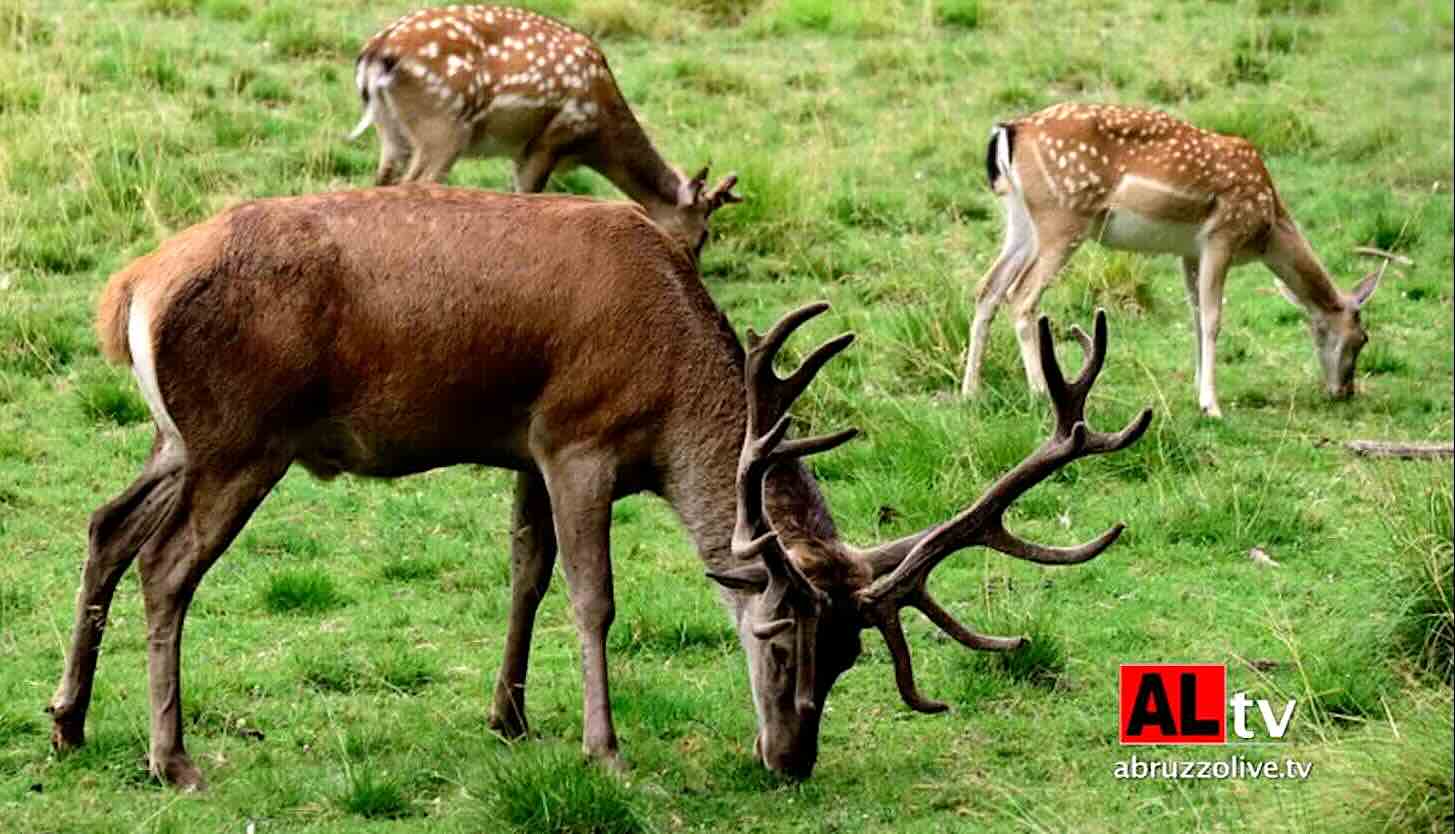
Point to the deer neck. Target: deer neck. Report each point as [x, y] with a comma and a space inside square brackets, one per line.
[631, 162]
[699, 478]
[1293, 260]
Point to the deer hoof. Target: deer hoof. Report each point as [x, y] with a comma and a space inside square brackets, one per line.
[180, 773]
[67, 735]
[508, 725]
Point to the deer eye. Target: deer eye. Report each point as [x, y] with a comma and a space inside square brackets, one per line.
[778, 653]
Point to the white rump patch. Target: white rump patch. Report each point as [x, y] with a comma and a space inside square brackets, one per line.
[144, 367]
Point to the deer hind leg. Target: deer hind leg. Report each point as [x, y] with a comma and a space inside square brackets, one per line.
[437, 135]
[212, 507]
[1189, 283]
[1018, 250]
[581, 491]
[1053, 252]
[395, 149]
[119, 529]
[532, 556]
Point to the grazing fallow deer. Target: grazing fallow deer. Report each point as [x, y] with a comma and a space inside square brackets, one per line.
[389, 331]
[495, 81]
[1143, 181]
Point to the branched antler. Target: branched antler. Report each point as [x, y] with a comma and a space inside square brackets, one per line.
[983, 524]
[720, 195]
[769, 397]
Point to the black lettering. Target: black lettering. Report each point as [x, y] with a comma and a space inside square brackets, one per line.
[1151, 706]
[1191, 724]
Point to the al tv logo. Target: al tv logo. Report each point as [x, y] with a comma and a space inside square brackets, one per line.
[1169, 703]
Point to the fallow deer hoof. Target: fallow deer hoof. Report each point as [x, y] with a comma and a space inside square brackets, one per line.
[509, 725]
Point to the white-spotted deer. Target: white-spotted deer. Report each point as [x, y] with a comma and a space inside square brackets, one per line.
[1143, 181]
[495, 81]
[388, 331]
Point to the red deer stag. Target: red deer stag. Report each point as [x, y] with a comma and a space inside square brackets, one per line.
[1143, 181]
[389, 331]
[497, 81]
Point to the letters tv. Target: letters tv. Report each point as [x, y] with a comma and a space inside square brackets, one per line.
[1173, 703]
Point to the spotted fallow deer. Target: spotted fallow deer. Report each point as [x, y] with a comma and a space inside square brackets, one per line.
[384, 332]
[1143, 181]
[495, 81]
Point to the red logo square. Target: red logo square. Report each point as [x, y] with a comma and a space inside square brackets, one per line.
[1171, 703]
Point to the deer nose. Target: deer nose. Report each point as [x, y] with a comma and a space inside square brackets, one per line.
[795, 763]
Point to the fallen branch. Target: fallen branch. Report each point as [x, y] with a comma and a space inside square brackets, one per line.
[1380, 253]
[1408, 451]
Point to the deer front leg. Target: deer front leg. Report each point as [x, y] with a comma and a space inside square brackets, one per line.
[581, 491]
[533, 170]
[1189, 283]
[1211, 274]
[532, 555]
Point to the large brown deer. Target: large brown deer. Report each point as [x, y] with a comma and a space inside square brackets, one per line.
[389, 331]
[493, 81]
[1143, 181]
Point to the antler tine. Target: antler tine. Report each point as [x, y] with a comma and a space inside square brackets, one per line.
[769, 395]
[893, 632]
[982, 524]
[722, 193]
[999, 538]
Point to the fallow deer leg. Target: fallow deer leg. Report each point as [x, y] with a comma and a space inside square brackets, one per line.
[212, 508]
[437, 138]
[533, 171]
[988, 298]
[1026, 297]
[1211, 273]
[1189, 282]
[119, 529]
[532, 556]
[581, 492]
[394, 147]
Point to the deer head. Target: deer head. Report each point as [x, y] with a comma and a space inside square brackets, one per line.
[686, 220]
[1339, 334]
[809, 598]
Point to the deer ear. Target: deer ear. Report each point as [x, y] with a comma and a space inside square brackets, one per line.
[751, 577]
[1287, 293]
[1366, 288]
[690, 191]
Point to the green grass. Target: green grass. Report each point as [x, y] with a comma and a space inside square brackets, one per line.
[555, 792]
[308, 591]
[340, 658]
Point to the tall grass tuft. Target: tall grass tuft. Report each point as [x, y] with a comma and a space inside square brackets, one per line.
[963, 14]
[373, 795]
[557, 792]
[1421, 530]
[107, 397]
[1393, 777]
[301, 592]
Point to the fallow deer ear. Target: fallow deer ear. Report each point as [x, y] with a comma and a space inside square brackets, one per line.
[1366, 288]
[749, 577]
[690, 191]
[1287, 293]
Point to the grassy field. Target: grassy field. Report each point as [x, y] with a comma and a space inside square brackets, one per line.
[339, 659]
